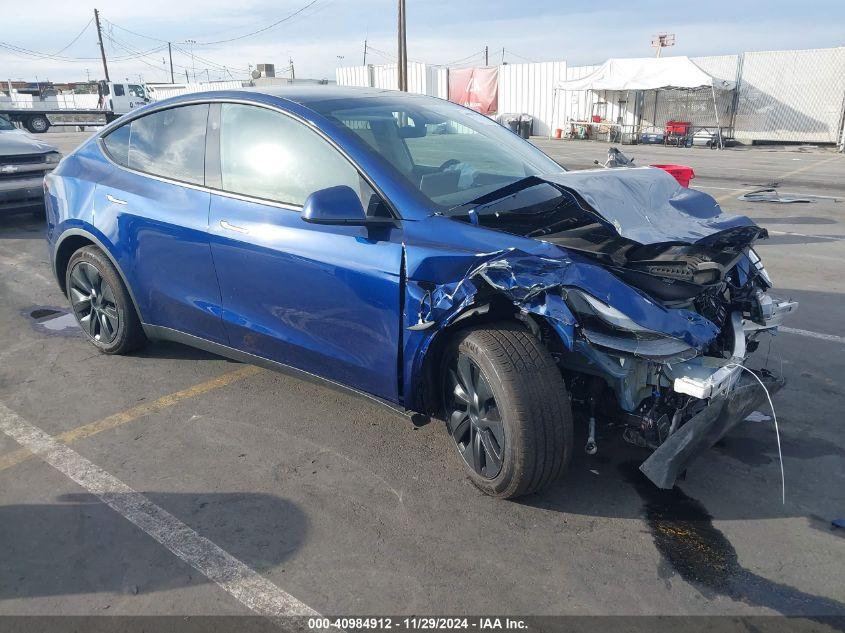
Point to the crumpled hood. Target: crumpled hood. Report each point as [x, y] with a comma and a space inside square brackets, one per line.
[647, 205]
[15, 144]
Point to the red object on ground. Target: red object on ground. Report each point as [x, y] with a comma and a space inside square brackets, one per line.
[558, 133]
[678, 128]
[682, 173]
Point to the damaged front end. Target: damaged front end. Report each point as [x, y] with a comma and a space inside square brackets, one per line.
[649, 299]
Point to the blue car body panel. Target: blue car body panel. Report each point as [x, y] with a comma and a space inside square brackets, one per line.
[338, 301]
[324, 299]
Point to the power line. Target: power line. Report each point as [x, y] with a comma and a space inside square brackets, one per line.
[233, 39]
[26, 52]
[521, 56]
[73, 41]
[462, 59]
[266, 28]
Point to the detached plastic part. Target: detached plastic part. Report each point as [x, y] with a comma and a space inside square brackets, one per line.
[706, 428]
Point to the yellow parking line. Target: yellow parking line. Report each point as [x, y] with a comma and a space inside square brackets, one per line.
[737, 192]
[117, 419]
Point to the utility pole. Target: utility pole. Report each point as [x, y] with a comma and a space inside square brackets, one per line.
[365, 51]
[193, 62]
[187, 79]
[503, 55]
[170, 54]
[292, 71]
[402, 69]
[486, 60]
[100, 39]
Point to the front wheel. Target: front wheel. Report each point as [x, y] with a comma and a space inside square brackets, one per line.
[507, 410]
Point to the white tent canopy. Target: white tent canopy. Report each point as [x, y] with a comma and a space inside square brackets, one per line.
[647, 73]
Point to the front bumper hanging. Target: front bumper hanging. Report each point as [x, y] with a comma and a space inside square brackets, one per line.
[703, 430]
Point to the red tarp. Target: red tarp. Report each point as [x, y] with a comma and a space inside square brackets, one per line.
[475, 88]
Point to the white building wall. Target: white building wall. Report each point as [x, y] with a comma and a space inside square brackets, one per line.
[529, 89]
[163, 91]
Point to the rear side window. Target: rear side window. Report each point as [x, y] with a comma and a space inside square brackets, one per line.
[268, 155]
[118, 90]
[168, 143]
[117, 144]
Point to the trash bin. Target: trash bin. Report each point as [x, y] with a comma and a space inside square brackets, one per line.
[510, 121]
[526, 124]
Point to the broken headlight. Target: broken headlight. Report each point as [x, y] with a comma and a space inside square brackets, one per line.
[758, 265]
[606, 327]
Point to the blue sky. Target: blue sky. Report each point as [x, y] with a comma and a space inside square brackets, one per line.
[439, 31]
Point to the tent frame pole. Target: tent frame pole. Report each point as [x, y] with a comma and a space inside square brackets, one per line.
[554, 103]
[716, 113]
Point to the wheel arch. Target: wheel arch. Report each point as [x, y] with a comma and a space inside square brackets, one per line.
[71, 241]
[426, 390]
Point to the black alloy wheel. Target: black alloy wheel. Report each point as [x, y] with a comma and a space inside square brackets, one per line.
[473, 419]
[94, 303]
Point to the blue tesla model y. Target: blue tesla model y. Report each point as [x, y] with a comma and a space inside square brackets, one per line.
[417, 252]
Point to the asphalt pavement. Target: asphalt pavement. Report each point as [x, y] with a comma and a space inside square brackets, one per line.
[345, 508]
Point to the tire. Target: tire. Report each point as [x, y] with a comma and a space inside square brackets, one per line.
[37, 124]
[91, 279]
[532, 403]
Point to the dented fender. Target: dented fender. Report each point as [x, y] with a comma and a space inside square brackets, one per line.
[440, 287]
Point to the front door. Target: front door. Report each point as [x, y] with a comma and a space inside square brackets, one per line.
[323, 299]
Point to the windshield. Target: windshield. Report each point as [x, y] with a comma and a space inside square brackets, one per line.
[450, 154]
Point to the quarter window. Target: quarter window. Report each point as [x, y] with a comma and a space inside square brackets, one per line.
[269, 155]
[168, 143]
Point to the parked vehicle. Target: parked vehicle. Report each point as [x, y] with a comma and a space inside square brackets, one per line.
[462, 275]
[23, 163]
[115, 99]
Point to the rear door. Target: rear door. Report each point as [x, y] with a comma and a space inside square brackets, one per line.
[324, 299]
[152, 207]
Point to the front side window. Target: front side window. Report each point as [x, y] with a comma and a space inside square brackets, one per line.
[266, 154]
[169, 143]
[450, 154]
[136, 91]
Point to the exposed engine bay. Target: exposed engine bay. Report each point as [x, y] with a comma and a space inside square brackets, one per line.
[657, 343]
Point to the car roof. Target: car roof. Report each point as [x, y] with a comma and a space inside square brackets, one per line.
[305, 95]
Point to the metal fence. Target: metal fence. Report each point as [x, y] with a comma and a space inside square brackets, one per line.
[791, 95]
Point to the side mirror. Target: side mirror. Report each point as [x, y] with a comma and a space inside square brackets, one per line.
[335, 205]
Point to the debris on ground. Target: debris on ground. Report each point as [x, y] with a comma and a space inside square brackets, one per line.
[770, 194]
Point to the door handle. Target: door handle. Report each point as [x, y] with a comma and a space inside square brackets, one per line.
[231, 227]
[114, 200]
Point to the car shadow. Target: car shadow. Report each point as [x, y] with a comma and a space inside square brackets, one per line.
[79, 545]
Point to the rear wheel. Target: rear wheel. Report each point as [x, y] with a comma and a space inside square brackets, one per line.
[101, 303]
[37, 124]
[507, 410]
